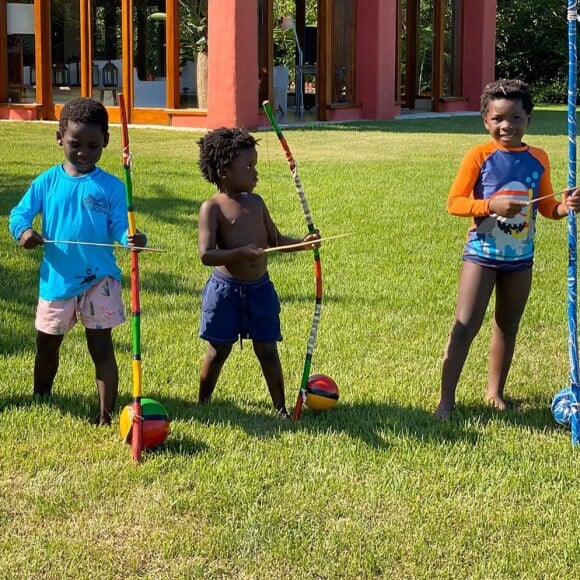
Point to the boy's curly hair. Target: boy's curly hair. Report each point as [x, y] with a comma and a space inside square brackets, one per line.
[512, 89]
[86, 111]
[218, 148]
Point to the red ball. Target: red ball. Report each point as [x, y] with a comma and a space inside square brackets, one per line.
[321, 393]
[156, 424]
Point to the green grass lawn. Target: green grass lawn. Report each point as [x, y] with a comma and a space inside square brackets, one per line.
[375, 487]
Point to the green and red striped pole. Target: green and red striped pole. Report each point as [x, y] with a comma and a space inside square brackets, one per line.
[317, 265]
[137, 393]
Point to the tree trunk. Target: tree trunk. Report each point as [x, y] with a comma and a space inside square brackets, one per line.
[201, 77]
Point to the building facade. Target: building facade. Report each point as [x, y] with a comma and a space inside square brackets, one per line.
[208, 63]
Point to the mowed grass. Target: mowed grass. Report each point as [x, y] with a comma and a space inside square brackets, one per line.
[373, 488]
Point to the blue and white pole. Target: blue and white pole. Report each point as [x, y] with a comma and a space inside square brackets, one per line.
[572, 229]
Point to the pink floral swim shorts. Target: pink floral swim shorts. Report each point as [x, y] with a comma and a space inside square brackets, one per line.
[101, 306]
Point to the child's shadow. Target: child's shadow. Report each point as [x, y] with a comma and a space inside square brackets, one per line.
[81, 405]
[84, 407]
[534, 414]
[376, 424]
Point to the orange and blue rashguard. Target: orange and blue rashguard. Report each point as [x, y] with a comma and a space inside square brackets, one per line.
[488, 171]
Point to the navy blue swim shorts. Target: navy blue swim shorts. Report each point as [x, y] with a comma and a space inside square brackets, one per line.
[232, 309]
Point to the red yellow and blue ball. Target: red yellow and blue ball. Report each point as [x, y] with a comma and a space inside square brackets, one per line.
[156, 425]
[321, 393]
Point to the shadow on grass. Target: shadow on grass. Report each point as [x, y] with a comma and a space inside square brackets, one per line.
[85, 408]
[13, 186]
[169, 208]
[82, 405]
[375, 424]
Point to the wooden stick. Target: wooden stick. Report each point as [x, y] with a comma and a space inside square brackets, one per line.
[550, 195]
[304, 244]
[104, 245]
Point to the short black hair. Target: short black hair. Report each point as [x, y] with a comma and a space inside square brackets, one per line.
[218, 148]
[512, 89]
[86, 111]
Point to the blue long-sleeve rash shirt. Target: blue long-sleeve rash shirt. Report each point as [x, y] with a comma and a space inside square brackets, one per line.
[90, 208]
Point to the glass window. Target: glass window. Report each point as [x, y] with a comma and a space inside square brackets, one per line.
[107, 63]
[452, 48]
[65, 49]
[21, 54]
[425, 50]
[193, 48]
[149, 54]
[343, 48]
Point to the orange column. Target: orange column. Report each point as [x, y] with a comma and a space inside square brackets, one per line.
[127, 54]
[86, 67]
[232, 98]
[42, 59]
[172, 54]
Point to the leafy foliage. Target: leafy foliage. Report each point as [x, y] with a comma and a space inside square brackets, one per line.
[531, 41]
[193, 26]
[284, 41]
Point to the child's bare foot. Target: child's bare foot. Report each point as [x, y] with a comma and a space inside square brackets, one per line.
[283, 413]
[444, 410]
[496, 402]
[105, 419]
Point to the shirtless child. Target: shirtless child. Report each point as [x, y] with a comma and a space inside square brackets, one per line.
[238, 300]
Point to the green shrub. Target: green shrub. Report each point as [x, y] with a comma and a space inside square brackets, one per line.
[555, 92]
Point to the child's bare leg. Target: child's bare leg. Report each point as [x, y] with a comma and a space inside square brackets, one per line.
[512, 291]
[100, 345]
[475, 287]
[46, 362]
[267, 353]
[214, 360]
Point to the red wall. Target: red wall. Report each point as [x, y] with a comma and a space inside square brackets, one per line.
[376, 53]
[478, 49]
[233, 64]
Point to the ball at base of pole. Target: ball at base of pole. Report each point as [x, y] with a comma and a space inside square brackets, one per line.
[156, 424]
[562, 407]
[321, 393]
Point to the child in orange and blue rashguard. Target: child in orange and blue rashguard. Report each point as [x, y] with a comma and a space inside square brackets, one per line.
[494, 186]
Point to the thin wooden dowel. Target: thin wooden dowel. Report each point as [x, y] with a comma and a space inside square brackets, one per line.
[103, 245]
[550, 195]
[304, 244]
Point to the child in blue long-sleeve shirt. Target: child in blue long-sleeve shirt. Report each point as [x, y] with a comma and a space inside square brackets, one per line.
[77, 202]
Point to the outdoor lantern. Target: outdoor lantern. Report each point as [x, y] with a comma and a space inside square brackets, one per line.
[95, 73]
[60, 75]
[110, 75]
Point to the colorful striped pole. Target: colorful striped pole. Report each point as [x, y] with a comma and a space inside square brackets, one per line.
[137, 416]
[317, 266]
[572, 228]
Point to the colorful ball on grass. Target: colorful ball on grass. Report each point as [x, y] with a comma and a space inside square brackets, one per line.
[562, 407]
[321, 393]
[155, 423]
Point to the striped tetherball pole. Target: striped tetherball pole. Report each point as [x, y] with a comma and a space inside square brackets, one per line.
[572, 15]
